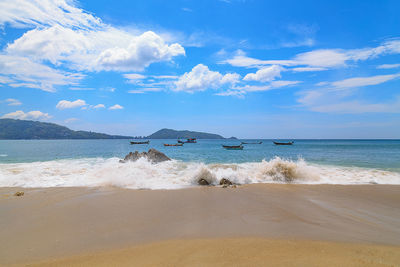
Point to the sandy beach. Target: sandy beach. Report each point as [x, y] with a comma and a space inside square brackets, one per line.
[284, 225]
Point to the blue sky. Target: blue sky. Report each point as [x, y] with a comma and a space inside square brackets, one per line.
[245, 68]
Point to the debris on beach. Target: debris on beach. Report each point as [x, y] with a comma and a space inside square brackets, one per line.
[153, 155]
[19, 194]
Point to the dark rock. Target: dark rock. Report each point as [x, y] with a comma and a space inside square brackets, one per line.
[203, 182]
[19, 194]
[152, 155]
[225, 181]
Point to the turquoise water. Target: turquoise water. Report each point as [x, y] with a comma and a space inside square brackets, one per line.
[58, 163]
[381, 154]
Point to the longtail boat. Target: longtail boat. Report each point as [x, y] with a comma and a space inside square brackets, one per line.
[173, 144]
[239, 147]
[140, 143]
[284, 143]
[252, 143]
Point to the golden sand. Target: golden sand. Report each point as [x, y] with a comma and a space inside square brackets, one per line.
[210, 225]
[239, 252]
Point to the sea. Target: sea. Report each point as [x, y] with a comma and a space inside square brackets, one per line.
[94, 163]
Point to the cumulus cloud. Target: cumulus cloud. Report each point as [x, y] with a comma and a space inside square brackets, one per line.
[65, 104]
[140, 53]
[116, 106]
[31, 115]
[265, 74]
[67, 36]
[200, 78]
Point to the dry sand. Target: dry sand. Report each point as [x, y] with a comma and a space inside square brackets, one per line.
[279, 225]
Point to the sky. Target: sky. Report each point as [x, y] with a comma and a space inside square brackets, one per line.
[244, 68]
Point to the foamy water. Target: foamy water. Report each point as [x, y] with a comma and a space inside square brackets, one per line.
[175, 174]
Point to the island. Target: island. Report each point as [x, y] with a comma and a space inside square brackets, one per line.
[174, 134]
[25, 129]
[11, 129]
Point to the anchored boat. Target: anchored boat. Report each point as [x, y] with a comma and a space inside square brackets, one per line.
[189, 140]
[239, 147]
[173, 144]
[284, 143]
[140, 143]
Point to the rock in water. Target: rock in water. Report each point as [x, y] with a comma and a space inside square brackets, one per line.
[156, 156]
[203, 182]
[225, 181]
[152, 155]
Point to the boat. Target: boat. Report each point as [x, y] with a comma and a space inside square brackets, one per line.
[173, 144]
[189, 140]
[239, 147]
[252, 143]
[140, 143]
[284, 143]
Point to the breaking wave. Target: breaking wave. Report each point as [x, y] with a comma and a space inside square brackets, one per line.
[178, 174]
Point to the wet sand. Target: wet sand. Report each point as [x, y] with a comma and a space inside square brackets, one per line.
[291, 225]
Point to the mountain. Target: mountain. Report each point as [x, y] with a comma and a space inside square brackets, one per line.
[174, 134]
[22, 129]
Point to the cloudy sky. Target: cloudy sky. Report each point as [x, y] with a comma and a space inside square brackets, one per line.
[247, 68]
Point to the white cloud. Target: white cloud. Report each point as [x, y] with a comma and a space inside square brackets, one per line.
[265, 74]
[140, 53]
[25, 13]
[65, 104]
[200, 78]
[364, 81]
[305, 69]
[31, 115]
[115, 107]
[98, 106]
[388, 66]
[260, 88]
[144, 90]
[13, 102]
[317, 60]
[23, 72]
[134, 77]
[67, 36]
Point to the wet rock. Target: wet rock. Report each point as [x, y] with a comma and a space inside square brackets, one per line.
[225, 181]
[152, 155]
[19, 194]
[202, 181]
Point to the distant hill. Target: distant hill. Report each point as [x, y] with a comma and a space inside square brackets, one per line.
[174, 134]
[22, 129]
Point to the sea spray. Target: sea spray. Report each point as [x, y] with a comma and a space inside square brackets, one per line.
[174, 174]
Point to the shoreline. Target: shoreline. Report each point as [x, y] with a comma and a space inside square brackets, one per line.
[58, 223]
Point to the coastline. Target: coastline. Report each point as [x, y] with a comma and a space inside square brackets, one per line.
[58, 223]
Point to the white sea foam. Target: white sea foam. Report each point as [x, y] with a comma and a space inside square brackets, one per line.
[177, 174]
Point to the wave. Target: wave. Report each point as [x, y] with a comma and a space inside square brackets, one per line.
[175, 174]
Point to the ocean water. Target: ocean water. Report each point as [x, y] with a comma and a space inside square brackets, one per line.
[52, 163]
